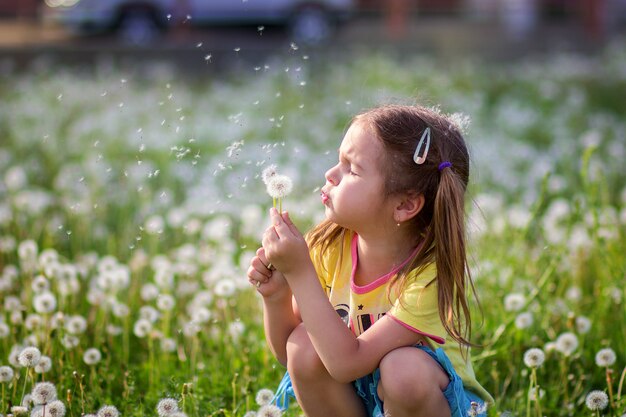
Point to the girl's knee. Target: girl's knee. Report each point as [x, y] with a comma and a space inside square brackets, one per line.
[410, 375]
[303, 362]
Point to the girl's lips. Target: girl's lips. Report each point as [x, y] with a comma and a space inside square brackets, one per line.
[324, 197]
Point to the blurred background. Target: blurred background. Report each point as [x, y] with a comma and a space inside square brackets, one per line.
[79, 30]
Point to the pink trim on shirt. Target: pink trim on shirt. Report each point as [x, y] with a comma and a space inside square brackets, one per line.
[436, 339]
[378, 281]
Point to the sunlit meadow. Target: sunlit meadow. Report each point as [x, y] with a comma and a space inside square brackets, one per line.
[131, 203]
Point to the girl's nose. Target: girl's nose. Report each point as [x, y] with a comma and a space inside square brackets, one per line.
[331, 176]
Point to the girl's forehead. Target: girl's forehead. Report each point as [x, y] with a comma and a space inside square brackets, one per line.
[359, 138]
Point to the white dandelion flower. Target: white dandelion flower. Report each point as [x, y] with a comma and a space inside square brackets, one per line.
[92, 356]
[605, 357]
[120, 310]
[44, 365]
[535, 394]
[14, 355]
[142, 327]
[524, 320]
[250, 414]
[279, 186]
[40, 284]
[27, 401]
[191, 329]
[461, 121]
[76, 324]
[70, 341]
[45, 302]
[114, 330]
[55, 408]
[108, 411]
[268, 173]
[154, 225]
[597, 400]
[264, 396]
[225, 288]
[583, 324]
[236, 329]
[43, 393]
[149, 292]
[534, 357]
[269, 410]
[27, 250]
[4, 330]
[566, 343]
[514, 302]
[168, 344]
[165, 302]
[33, 321]
[6, 374]
[19, 410]
[476, 409]
[29, 357]
[167, 406]
[149, 313]
[201, 315]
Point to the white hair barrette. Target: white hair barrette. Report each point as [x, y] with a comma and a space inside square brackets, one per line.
[424, 141]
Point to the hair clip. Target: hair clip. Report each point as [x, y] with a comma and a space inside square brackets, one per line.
[419, 160]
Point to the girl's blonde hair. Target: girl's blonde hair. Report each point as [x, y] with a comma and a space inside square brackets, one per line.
[439, 228]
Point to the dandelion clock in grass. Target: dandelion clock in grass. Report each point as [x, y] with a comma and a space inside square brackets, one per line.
[29, 357]
[605, 357]
[108, 411]
[43, 393]
[167, 407]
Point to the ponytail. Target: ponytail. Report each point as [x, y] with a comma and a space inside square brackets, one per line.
[453, 275]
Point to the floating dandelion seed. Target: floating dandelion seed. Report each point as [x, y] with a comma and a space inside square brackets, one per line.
[534, 357]
[29, 357]
[605, 357]
[167, 407]
[264, 396]
[43, 393]
[597, 400]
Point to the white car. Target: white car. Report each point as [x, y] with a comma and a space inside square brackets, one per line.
[141, 21]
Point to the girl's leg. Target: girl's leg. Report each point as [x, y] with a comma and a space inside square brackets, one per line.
[412, 384]
[317, 392]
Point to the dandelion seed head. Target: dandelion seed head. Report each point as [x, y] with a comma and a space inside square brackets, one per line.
[29, 357]
[514, 302]
[250, 414]
[167, 406]
[40, 284]
[76, 324]
[605, 357]
[566, 343]
[6, 373]
[19, 410]
[44, 365]
[108, 411]
[534, 357]
[45, 302]
[279, 186]
[142, 327]
[4, 330]
[225, 288]
[56, 408]
[43, 393]
[524, 320]
[165, 302]
[597, 400]
[264, 396]
[583, 324]
[269, 410]
[268, 173]
[536, 394]
[92, 356]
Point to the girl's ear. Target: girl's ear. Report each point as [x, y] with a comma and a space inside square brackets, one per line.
[409, 205]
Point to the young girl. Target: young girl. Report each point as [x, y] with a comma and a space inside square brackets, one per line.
[387, 331]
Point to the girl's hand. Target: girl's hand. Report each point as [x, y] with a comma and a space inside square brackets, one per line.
[268, 281]
[285, 246]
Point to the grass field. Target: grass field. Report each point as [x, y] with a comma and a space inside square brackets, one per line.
[130, 205]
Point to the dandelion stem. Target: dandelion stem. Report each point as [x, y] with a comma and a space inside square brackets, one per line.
[609, 384]
[25, 381]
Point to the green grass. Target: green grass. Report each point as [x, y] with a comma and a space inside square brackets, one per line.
[125, 181]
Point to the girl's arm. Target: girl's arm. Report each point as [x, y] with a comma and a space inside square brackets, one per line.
[345, 356]
[279, 318]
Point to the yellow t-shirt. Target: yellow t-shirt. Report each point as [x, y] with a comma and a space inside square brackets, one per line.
[415, 309]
